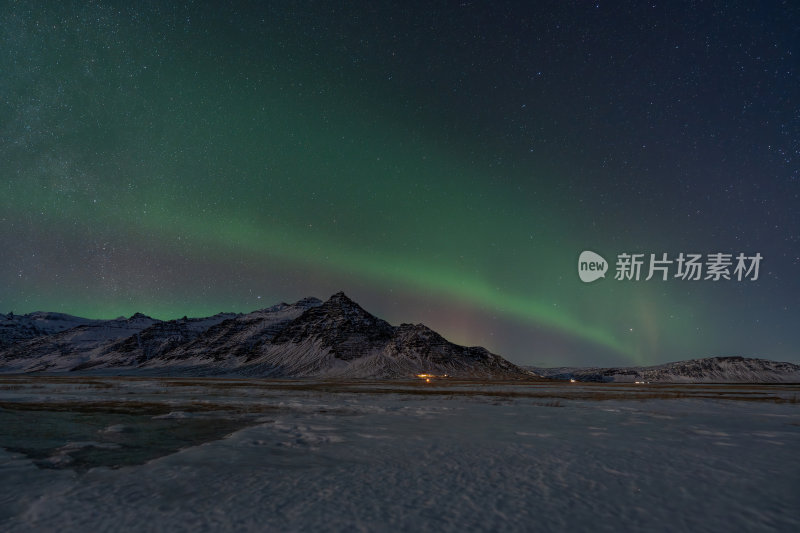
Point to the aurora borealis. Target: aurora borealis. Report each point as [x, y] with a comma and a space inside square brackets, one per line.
[441, 163]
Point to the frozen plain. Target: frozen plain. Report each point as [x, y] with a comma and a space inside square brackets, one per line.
[159, 454]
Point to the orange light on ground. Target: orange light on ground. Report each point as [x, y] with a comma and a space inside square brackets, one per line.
[429, 377]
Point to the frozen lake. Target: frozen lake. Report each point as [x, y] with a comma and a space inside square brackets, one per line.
[158, 454]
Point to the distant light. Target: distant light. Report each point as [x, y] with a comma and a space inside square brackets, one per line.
[429, 377]
[572, 381]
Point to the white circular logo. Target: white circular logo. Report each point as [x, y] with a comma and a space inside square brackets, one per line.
[591, 266]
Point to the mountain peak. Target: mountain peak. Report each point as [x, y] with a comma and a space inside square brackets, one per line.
[339, 305]
[340, 325]
[340, 297]
[308, 301]
[138, 316]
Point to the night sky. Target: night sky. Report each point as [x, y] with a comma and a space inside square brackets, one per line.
[440, 162]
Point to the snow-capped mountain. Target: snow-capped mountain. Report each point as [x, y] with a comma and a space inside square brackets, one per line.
[304, 339]
[153, 341]
[232, 344]
[16, 328]
[308, 338]
[70, 348]
[709, 370]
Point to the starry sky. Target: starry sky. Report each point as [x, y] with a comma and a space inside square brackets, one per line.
[440, 162]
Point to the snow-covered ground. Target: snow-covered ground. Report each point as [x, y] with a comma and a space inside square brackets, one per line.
[101, 454]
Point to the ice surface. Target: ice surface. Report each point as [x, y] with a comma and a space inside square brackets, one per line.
[308, 456]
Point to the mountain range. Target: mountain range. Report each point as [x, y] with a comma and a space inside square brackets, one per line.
[735, 369]
[309, 338]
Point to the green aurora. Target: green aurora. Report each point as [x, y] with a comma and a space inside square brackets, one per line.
[179, 163]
